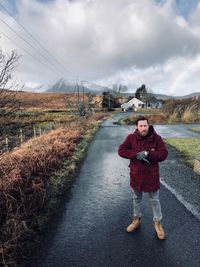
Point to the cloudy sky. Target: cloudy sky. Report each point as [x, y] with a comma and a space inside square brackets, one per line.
[133, 42]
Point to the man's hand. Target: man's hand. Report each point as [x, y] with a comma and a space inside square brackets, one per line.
[142, 155]
[146, 160]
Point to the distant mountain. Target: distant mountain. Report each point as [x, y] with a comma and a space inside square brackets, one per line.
[41, 88]
[188, 96]
[70, 86]
[36, 89]
[67, 86]
[158, 96]
[165, 97]
[62, 86]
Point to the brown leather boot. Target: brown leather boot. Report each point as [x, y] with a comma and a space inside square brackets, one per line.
[159, 230]
[134, 225]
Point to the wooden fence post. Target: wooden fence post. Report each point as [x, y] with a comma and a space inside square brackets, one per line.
[34, 131]
[6, 143]
[50, 126]
[21, 135]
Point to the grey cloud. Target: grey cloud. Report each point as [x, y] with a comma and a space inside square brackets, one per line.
[94, 39]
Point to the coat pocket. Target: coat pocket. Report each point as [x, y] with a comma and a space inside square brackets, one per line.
[151, 175]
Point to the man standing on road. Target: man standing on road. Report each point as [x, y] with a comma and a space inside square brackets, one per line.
[145, 149]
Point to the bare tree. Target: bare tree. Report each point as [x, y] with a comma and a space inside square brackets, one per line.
[81, 106]
[9, 102]
[119, 89]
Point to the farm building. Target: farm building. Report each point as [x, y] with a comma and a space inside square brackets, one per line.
[134, 103]
[155, 103]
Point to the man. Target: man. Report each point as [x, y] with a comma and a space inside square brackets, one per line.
[145, 149]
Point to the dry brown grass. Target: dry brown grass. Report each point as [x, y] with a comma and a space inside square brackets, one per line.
[46, 101]
[187, 110]
[24, 182]
[153, 119]
[23, 175]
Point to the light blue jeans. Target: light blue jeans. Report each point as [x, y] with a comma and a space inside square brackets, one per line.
[155, 204]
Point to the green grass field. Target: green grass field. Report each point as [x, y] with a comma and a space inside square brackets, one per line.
[189, 147]
[196, 129]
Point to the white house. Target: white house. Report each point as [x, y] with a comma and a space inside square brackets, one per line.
[155, 103]
[134, 103]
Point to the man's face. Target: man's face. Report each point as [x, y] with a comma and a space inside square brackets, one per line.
[143, 127]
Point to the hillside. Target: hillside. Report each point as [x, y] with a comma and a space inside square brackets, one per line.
[165, 97]
[50, 100]
[188, 96]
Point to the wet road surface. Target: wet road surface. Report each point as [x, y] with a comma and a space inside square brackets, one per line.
[91, 228]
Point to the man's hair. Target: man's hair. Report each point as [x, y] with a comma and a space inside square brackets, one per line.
[141, 118]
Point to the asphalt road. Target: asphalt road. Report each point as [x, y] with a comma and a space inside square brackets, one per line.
[90, 228]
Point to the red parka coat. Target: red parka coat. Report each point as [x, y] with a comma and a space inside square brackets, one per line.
[144, 177]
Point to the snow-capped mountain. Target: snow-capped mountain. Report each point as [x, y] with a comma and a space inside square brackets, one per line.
[70, 86]
[35, 89]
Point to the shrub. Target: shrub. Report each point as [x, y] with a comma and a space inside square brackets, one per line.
[186, 110]
[24, 175]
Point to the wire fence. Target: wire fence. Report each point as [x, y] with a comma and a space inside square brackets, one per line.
[15, 138]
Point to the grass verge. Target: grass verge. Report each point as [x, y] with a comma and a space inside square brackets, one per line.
[188, 147]
[61, 180]
[195, 129]
[34, 179]
[153, 119]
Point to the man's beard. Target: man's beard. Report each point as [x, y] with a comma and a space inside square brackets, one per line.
[143, 133]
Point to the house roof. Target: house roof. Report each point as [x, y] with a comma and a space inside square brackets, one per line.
[133, 101]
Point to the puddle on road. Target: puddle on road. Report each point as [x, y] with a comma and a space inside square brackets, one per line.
[167, 161]
[117, 182]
